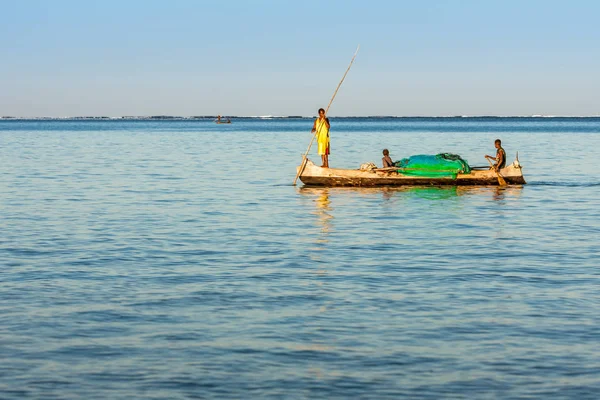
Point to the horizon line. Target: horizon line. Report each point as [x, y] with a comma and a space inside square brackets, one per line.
[200, 117]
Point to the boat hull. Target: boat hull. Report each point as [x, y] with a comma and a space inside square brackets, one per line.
[313, 175]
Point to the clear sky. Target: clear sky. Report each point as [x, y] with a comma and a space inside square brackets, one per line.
[261, 57]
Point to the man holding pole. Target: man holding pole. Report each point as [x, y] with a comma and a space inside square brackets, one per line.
[321, 127]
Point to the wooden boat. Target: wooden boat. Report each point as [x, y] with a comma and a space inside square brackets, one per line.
[313, 175]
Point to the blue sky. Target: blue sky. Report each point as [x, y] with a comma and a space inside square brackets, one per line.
[184, 57]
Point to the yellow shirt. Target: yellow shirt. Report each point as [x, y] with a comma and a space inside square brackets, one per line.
[322, 130]
[322, 136]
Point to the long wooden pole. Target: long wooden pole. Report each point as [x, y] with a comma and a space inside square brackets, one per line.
[304, 157]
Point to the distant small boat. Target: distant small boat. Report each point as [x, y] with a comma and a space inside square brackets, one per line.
[313, 175]
[222, 121]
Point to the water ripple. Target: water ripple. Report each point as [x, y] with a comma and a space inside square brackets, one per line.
[135, 263]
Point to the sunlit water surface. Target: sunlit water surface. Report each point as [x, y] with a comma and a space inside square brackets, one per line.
[174, 259]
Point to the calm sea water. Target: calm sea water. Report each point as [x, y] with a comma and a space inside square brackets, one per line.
[175, 260]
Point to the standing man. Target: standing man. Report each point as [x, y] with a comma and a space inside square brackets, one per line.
[321, 127]
[500, 155]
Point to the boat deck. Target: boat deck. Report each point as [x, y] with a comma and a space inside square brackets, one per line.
[313, 175]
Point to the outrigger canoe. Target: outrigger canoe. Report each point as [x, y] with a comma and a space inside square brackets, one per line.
[313, 175]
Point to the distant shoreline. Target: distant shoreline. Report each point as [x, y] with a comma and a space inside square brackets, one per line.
[211, 117]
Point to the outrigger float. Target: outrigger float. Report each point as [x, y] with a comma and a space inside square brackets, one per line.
[313, 175]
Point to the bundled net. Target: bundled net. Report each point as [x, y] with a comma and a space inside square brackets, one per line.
[443, 165]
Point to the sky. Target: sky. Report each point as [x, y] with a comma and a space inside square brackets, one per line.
[258, 57]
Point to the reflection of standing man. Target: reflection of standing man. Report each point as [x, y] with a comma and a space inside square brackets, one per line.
[321, 127]
[323, 208]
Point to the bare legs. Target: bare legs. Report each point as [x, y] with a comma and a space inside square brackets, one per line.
[325, 160]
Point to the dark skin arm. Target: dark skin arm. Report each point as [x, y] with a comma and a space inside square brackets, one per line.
[497, 157]
[387, 162]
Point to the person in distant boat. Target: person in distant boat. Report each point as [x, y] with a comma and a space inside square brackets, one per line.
[218, 118]
[321, 127]
[500, 155]
[387, 160]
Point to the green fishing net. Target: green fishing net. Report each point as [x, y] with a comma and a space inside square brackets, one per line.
[443, 165]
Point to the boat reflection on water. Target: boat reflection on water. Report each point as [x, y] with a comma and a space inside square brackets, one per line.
[323, 194]
[341, 206]
[498, 193]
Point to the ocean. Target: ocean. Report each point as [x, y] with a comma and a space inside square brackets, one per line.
[173, 259]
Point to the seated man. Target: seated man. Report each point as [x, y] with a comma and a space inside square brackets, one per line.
[500, 155]
[387, 160]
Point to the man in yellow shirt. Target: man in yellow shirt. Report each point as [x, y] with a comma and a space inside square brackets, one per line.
[321, 127]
